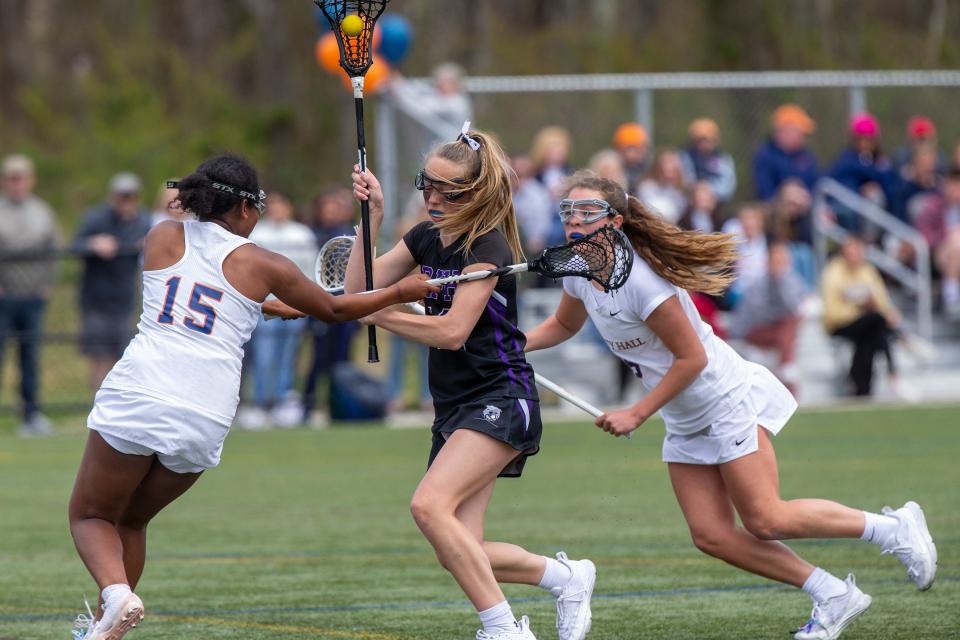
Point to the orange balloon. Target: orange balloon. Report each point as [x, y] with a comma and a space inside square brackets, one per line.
[328, 53]
[375, 78]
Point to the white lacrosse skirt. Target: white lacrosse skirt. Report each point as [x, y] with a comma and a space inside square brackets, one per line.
[183, 439]
[767, 404]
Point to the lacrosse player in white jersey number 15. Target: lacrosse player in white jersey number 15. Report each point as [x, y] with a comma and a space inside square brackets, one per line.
[720, 410]
[163, 411]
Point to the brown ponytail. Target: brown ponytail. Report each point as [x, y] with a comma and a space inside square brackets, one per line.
[689, 259]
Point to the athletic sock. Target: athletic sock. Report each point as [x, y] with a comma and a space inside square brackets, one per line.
[879, 529]
[498, 619]
[821, 586]
[555, 576]
[113, 591]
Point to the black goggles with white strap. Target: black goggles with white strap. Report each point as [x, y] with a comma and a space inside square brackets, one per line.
[259, 201]
[425, 183]
[587, 211]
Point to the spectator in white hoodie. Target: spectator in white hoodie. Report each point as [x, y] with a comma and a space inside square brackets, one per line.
[275, 344]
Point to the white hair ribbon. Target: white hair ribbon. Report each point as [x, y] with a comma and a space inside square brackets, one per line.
[465, 136]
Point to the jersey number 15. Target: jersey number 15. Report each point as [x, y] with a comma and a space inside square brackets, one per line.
[196, 303]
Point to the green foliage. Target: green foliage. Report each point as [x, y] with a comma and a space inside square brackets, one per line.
[155, 86]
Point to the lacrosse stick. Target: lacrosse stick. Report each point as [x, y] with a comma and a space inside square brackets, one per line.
[355, 58]
[605, 256]
[542, 381]
[331, 272]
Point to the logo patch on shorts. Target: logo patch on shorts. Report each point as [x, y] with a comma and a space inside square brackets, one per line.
[491, 413]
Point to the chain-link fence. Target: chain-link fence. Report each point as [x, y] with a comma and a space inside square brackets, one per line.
[592, 106]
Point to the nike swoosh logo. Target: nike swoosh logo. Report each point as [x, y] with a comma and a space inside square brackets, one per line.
[613, 313]
[739, 442]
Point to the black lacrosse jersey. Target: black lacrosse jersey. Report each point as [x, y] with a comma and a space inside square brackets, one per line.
[491, 362]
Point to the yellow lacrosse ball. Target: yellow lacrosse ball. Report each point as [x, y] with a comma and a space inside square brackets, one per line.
[352, 26]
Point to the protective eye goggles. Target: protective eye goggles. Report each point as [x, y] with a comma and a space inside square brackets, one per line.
[259, 201]
[587, 211]
[425, 183]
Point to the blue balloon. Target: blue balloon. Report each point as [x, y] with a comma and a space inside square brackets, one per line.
[320, 19]
[396, 35]
[323, 25]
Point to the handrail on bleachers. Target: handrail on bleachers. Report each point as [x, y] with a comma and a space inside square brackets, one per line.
[916, 279]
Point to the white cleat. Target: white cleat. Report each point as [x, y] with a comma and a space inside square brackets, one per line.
[573, 603]
[830, 618]
[122, 614]
[912, 544]
[83, 625]
[522, 632]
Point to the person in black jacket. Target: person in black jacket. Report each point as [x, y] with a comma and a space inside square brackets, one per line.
[110, 239]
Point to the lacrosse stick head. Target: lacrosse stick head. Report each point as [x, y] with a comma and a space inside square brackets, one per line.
[356, 51]
[332, 263]
[604, 256]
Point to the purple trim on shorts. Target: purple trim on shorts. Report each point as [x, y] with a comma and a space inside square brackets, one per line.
[523, 372]
[498, 318]
[500, 351]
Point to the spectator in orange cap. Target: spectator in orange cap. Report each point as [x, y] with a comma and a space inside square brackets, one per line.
[704, 161]
[921, 132]
[785, 155]
[633, 144]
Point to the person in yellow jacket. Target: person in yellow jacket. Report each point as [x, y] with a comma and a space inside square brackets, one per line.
[856, 307]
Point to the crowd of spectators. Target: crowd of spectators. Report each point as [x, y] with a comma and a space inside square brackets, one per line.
[693, 185]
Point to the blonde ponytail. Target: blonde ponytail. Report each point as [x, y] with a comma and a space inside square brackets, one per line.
[488, 178]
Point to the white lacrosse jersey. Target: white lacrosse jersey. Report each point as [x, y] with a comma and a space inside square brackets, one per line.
[189, 344]
[620, 317]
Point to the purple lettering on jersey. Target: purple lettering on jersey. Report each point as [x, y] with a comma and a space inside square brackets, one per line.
[450, 288]
[446, 289]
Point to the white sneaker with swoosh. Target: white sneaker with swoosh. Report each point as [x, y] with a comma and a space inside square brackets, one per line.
[831, 617]
[912, 544]
[522, 632]
[573, 603]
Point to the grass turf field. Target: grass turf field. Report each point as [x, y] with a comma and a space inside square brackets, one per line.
[306, 534]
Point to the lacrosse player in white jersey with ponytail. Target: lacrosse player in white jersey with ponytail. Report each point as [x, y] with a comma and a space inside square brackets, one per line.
[162, 413]
[720, 410]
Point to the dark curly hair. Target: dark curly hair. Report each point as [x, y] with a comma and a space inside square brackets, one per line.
[199, 197]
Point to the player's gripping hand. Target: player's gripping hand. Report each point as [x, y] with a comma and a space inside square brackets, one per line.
[414, 288]
[281, 310]
[622, 422]
[367, 187]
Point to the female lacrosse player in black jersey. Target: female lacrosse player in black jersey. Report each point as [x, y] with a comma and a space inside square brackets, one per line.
[487, 411]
